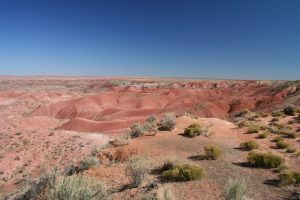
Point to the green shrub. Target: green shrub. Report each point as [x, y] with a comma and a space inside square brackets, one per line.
[184, 172]
[253, 129]
[249, 145]
[289, 110]
[212, 152]
[263, 135]
[137, 168]
[289, 178]
[89, 162]
[235, 189]
[168, 122]
[195, 129]
[77, 188]
[264, 160]
[281, 145]
[137, 130]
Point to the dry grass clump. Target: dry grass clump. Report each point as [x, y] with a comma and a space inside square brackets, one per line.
[165, 192]
[288, 134]
[249, 145]
[195, 129]
[235, 189]
[89, 162]
[137, 130]
[77, 187]
[253, 129]
[185, 172]
[212, 152]
[281, 145]
[278, 114]
[168, 122]
[149, 126]
[289, 178]
[277, 139]
[264, 160]
[264, 135]
[137, 168]
[291, 149]
[121, 140]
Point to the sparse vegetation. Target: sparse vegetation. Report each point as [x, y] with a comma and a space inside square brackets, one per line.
[235, 189]
[212, 152]
[249, 145]
[137, 168]
[288, 134]
[89, 162]
[277, 139]
[291, 149]
[165, 192]
[77, 187]
[195, 129]
[123, 139]
[281, 145]
[184, 172]
[253, 129]
[289, 178]
[168, 122]
[137, 130]
[264, 160]
[263, 135]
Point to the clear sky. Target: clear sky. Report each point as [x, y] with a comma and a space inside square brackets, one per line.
[241, 39]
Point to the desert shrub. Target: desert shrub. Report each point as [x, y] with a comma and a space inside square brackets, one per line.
[89, 162]
[184, 172]
[281, 145]
[244, 123]
[169, 164]
[289, 110]
[291, 149]
[150, 124]
[263, 135]
[77, 188]
[165, 192]
[137, 130]
[253, 129]
[235, 189]
[288, 134]
[121, 140]
[242, 113]
[137, 168]
[275, 119]
[264, 160]
[212, 152]
[249, 145]
[168, 122]
[277, 139]
[195, 129]
[289, 178]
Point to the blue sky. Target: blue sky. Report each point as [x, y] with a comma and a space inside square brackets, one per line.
[241, 39]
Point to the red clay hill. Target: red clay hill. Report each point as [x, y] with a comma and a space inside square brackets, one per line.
[124, 102]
